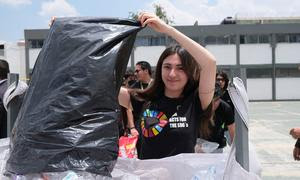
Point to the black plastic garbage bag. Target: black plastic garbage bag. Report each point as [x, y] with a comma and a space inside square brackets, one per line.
[68, 119]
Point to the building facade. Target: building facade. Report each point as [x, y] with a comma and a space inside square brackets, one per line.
[267, 53]
[14, 54]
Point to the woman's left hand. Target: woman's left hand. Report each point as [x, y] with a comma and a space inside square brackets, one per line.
[154, 22]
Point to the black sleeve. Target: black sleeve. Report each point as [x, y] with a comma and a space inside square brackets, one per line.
[228, 113]
[3, 121]
[228, 100]
[298, 143]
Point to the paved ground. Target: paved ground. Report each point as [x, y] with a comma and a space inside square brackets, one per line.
[270, 123]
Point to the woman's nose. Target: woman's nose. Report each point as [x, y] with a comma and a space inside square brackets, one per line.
[172, 72]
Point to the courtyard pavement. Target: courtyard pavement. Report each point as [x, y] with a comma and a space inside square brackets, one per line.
[270, 123]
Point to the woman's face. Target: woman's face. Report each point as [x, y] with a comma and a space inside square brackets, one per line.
[173, 76]
[221, 81]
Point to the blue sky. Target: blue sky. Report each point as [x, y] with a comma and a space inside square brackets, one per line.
[17, 15]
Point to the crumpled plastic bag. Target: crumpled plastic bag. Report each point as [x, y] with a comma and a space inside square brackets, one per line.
[68, 119]
[204, 146]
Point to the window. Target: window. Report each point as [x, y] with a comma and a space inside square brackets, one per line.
[254, 39]
[281, 38]
[210, 40]
[242, 39]
[294, 38]
[223, 40]
[263, 38]
[288, 72]
[141, 41]
[232, 39]
[288, 38]
[157, 41]
[251, 39]
[195, 39]
[259, 72]
[36, 43]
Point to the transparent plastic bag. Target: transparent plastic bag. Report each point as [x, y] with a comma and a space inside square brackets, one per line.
[204, 146]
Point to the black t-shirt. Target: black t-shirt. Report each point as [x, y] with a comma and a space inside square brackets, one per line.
[3, 114]
[223, 117]
[168, 126]
[297, 143]
[3, 121]
[227, 99]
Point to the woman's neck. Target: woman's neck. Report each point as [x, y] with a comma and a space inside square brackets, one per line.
[172, 94]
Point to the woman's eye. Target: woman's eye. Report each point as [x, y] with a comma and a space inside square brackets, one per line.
[166, 67]
[180, 68]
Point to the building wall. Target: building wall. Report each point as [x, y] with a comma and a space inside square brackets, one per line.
[148, 53]
[225, 54]
[259, 89]
[287, 53]
[33, 54]
[255, 54]
[287, 88]
[15, 56]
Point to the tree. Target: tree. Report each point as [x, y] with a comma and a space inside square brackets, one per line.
[162, 14]
[133, 15]
[159, 12]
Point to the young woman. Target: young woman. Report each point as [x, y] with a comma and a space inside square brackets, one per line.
[223, 80]
[172, 108]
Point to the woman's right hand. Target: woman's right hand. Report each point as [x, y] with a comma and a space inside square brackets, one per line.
[295, 132]
[134, 132]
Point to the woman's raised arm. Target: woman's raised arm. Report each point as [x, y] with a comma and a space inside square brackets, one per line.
[203, 57]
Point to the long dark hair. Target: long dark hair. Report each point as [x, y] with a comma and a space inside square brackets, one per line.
[192, 70]
[4, 69]
[190, 67]
[225, 76]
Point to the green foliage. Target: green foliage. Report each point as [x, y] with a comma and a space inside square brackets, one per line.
[159, 12]
[162, 14]
[133, 15]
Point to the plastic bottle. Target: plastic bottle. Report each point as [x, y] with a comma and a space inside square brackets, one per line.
[209, 174]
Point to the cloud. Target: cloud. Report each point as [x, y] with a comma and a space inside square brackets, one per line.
[214, 11]
[58, 8]
[15, 2]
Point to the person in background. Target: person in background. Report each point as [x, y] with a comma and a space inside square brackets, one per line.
[223, 117]
[169, 111]
[129, 79]
[4, 70]
[295, 133]
[223, 80]
[143, 73]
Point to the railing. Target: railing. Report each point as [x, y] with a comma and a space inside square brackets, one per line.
[13, 106]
